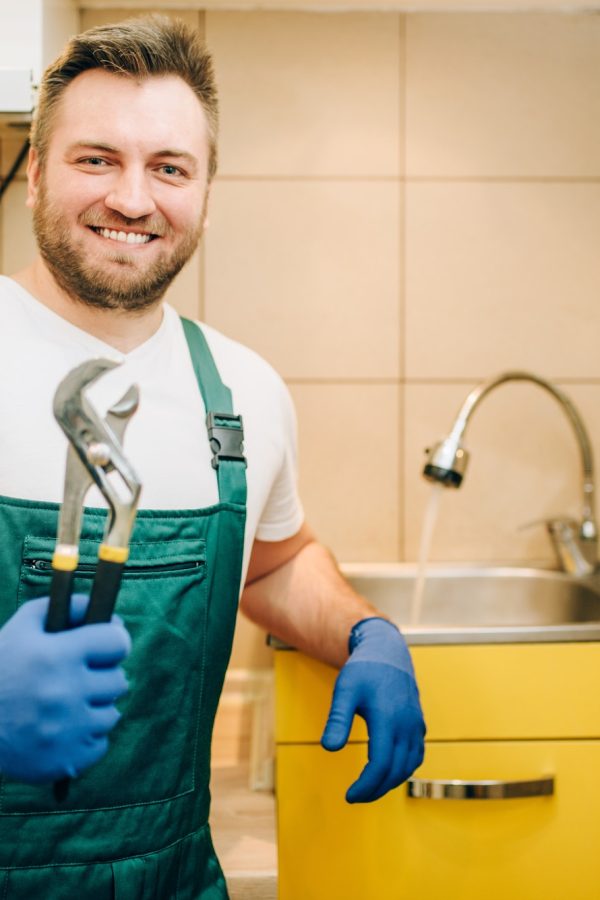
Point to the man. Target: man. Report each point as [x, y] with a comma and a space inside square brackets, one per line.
[123, 154]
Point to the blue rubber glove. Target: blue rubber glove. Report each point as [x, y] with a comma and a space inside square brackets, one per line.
[378, 683]
[57, 692]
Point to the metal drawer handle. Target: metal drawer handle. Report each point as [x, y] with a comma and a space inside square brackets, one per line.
[421, 789]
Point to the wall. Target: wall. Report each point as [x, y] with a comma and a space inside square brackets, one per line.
[406, 205]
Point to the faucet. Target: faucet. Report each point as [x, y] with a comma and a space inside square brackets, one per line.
[575, 542]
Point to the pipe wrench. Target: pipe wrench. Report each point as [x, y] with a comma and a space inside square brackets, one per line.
[94, 456]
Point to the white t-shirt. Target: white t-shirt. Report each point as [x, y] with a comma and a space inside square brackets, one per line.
[166, 439]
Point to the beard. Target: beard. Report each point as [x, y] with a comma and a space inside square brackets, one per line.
[126, 287]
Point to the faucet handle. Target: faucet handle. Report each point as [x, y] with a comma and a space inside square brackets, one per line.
[554, 523]
[527, 525]
[549, 524]
[576, 554]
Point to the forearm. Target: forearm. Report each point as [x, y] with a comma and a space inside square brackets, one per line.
[307, 603]
[303, 599]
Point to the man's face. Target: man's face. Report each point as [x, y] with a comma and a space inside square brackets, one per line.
[119, 203]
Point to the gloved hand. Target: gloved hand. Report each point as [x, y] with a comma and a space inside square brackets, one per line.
[378, 683]
[57, 692]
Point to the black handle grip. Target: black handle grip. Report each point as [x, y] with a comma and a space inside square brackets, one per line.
[104, 591]
[61, 789]
[105, 588]
[58, 619]
[59, 608]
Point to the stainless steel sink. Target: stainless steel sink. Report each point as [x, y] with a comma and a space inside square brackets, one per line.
[483, 604]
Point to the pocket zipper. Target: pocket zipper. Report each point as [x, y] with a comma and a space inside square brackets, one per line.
[44, 565]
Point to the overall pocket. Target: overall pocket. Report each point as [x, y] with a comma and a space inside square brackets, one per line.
[163, 603]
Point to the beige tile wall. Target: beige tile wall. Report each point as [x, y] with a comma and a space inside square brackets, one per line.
[302, 271]
[410, 204]
[406, 205]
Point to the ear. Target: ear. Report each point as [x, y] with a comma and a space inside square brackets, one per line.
[34, 174]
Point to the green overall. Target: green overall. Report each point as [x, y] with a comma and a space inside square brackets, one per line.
[135, 826]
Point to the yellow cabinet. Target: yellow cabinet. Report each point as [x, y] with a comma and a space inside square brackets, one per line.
[505, 712]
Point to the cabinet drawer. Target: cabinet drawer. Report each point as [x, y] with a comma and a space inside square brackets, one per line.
[493, 691]
[401, 848]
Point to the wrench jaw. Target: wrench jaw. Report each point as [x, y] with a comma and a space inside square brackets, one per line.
[122, 503]
[114, 475]
[118, 416]
[94, 452]
[71, 409]
[122, 492]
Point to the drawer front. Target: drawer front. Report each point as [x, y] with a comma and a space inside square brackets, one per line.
[401, 848]
[494, 691]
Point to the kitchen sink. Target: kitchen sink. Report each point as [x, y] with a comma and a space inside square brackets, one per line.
[482, 604]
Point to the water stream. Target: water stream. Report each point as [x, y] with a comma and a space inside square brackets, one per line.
[429, 521]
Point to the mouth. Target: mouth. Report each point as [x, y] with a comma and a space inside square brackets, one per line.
[131, 238]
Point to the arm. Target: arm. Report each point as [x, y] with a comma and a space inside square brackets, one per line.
[296, 592]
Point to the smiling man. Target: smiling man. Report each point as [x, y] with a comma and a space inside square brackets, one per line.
[123, 154]
[116, 220]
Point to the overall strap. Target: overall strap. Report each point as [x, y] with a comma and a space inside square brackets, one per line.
[225, 430]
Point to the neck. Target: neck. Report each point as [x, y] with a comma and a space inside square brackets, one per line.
[122, 329]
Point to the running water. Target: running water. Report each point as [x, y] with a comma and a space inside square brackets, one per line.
[426, 536]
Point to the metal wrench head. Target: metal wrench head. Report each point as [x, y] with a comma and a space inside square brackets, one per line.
[68, 399]
[78, 478]
[119, 415]
[95, 451]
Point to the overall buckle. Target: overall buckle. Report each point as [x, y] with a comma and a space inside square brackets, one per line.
[226, 437]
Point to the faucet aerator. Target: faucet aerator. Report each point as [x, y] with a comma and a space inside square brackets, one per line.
[446, 477]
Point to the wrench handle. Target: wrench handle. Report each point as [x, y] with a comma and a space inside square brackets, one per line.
[58, 619]
[105, 588]
[59, 608]
[104, 591]
[61, 789]
[100, 608]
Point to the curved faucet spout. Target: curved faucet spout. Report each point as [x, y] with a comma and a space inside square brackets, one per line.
[447, 460]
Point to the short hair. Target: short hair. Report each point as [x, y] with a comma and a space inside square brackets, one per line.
[140, 47]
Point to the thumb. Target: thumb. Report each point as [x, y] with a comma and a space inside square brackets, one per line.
[341, 714]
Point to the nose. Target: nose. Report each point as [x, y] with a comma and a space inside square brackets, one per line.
[130, 194]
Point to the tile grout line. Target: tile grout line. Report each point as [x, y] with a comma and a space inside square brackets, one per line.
[417, 179]
[402, 261]
[576, 381]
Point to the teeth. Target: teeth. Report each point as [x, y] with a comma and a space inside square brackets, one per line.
[129, 238]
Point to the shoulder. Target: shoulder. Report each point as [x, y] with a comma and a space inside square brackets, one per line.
[24, 319]
[236, 359]
[9, 286]
[242, 369]
[12, 294]
[259, 393]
